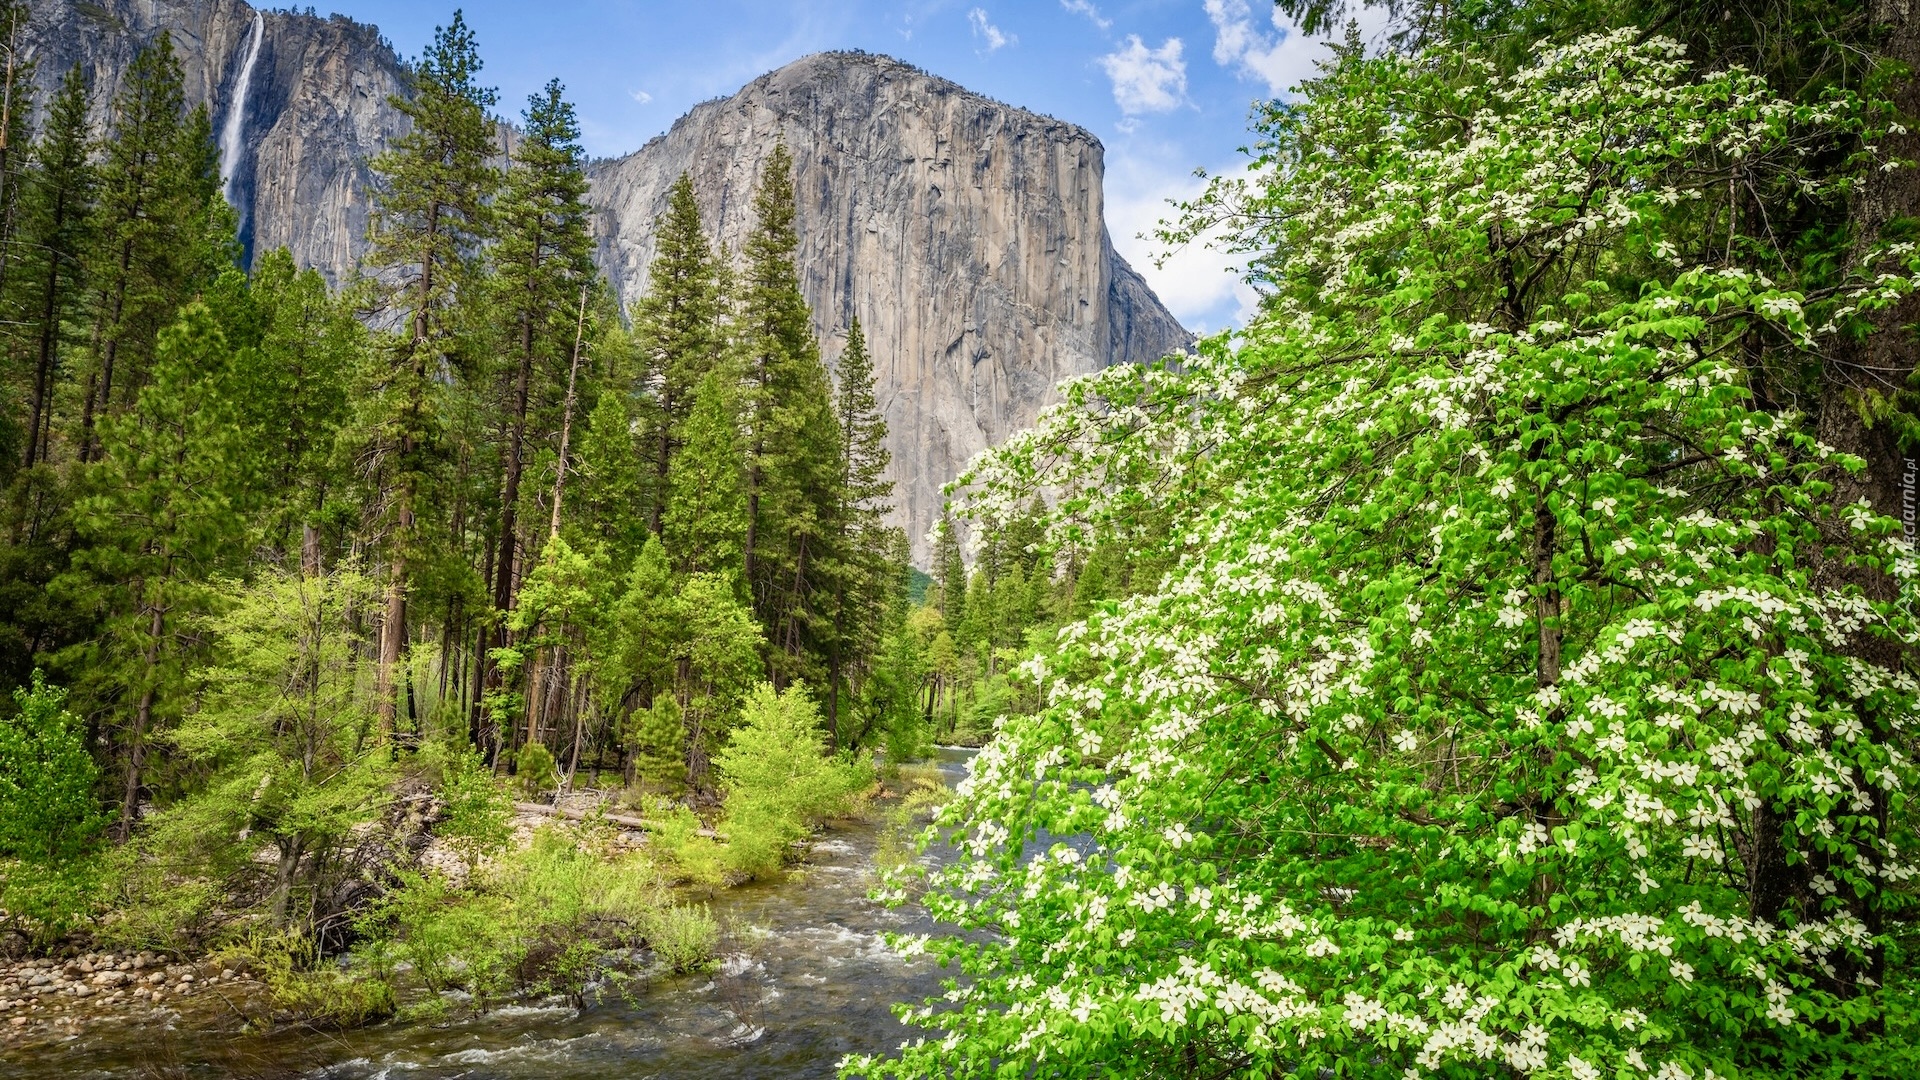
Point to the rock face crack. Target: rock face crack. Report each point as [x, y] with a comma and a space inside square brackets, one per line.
[1003, 259]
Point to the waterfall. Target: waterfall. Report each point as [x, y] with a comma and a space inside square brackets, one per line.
[237, 111]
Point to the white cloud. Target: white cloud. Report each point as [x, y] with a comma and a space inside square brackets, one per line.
[1147, 80]
[1198, 284]
[640, 96]
[989, 33]
[1085, 7]
[1281, 58]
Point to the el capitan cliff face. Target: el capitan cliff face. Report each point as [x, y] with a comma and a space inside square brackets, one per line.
[967, 235]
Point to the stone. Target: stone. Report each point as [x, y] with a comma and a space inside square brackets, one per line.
[968, 237]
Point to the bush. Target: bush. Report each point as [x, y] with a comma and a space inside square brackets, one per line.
[533, 767]
[50, 825]
[676, 839]
[479, 812]
[778, 783]
[301, 985]
[560, 917]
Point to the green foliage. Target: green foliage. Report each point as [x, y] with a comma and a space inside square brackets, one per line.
[50, 822]
[655, 744]
[1511, 701]
[478, 820]
[556, 917]
[164, 514]
[779, 783]
[155, 224]
[534, 771]
[679, 838]
[681, 340]
[706, 517]
[302, 988]
[48, 813]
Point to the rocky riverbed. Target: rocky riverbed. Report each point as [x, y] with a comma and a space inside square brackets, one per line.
[52, 1000]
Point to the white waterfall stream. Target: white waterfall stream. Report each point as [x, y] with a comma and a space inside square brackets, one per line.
[237, 111]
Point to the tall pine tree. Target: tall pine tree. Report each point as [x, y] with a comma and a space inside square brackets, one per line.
[793, 444]
[677, 324]
[706, 519]
[542, 259]
[165, 516]
[865, 572]
[431, 215]
[44, 287]
[159, 177]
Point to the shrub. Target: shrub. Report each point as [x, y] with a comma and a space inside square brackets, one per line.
[533, 767]
[50, 824]
[479, 812]
[560, 916]
[676, 839]
[778, 782]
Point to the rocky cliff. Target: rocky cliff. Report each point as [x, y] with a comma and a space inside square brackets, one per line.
[968, 236]
[310, 111]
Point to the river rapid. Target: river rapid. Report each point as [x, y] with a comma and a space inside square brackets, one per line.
[804, 979]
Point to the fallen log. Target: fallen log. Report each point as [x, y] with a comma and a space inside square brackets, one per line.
[581, 815]
[621, 820]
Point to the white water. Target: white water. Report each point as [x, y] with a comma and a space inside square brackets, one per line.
[237, 112]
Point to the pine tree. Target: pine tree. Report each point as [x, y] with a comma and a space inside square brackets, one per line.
[611, 486]
[430, 216]
[949, 572]
[166, 515]
[45, 287]
[159, 175]
[16, 107]
[541, 261]
[678, 327]
[706, 519]
[793, 444]
[863, 572]
[292, 398]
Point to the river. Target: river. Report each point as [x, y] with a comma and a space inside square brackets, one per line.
[805, 978]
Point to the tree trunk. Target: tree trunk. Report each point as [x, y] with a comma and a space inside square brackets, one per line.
[142, 717]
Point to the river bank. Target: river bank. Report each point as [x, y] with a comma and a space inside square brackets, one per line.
[804, 978]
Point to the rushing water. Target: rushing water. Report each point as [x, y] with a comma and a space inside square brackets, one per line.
[804, 980]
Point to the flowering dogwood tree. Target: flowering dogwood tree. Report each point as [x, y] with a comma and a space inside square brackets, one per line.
[1513, 707]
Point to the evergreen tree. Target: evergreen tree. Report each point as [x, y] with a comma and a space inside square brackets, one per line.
[541, 261]
[430, 215]
[865, 570]
[159, 177]
[678, 326]
[949, 572]
[793, 443]
[165, 515]
[611, 486]
[292, 396]
[16, 107]
[44, 288]
[706, 520]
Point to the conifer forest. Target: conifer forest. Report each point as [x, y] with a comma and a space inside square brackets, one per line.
[1494, 657]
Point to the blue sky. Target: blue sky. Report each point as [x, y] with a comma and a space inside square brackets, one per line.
[1165, 84]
